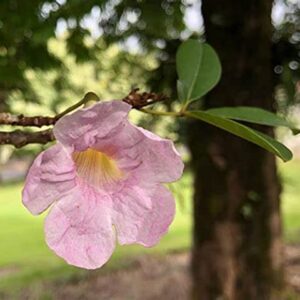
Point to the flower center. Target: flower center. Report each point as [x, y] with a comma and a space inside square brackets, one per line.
[96, 168]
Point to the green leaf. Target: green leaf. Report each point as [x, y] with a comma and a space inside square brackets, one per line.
[253, 115]
[244, 132]
[198, 68]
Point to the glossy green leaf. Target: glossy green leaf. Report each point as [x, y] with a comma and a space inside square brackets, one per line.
[252, 115]
[198, 68]
[244, 132]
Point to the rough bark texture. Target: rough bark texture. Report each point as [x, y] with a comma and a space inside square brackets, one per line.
[19, 138]
[237, 231]
[21, 120]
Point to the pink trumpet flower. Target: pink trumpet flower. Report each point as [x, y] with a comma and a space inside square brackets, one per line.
[103, 179]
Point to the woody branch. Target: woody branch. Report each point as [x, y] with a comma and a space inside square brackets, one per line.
[20, 138]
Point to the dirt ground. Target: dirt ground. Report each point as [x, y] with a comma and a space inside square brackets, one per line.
[147, 278]
[292, 266]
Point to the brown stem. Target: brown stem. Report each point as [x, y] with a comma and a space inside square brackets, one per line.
[138, 100]
[19, 138]
[135, 99]
[21, 120]
[39, 121]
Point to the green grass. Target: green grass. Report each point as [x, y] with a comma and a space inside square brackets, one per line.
[26, 258]
[290, 174]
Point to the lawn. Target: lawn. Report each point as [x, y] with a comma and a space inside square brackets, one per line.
[24, 257]
[290, 174]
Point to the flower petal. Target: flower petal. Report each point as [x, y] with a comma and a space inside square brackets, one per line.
[162, 161]
[79, 229]
[141, 218]
[51, 175]
[80, 128]
[146, 155]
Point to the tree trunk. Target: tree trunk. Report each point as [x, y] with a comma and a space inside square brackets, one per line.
[237, 251]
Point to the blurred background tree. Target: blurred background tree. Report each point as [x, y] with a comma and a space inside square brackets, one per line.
[237, 214]
[237, 251]
[23, 35]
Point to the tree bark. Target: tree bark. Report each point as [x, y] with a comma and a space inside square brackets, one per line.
[237, 251]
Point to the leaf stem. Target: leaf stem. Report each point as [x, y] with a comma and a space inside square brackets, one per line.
[161, 113]
[184, 107]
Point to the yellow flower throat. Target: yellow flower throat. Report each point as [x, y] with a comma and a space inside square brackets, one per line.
[96, 168]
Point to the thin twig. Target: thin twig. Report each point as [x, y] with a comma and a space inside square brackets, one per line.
[19, 138]
[39, 121]
[135, 99]
[138, 100]
[21, 120]
[90, 96]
